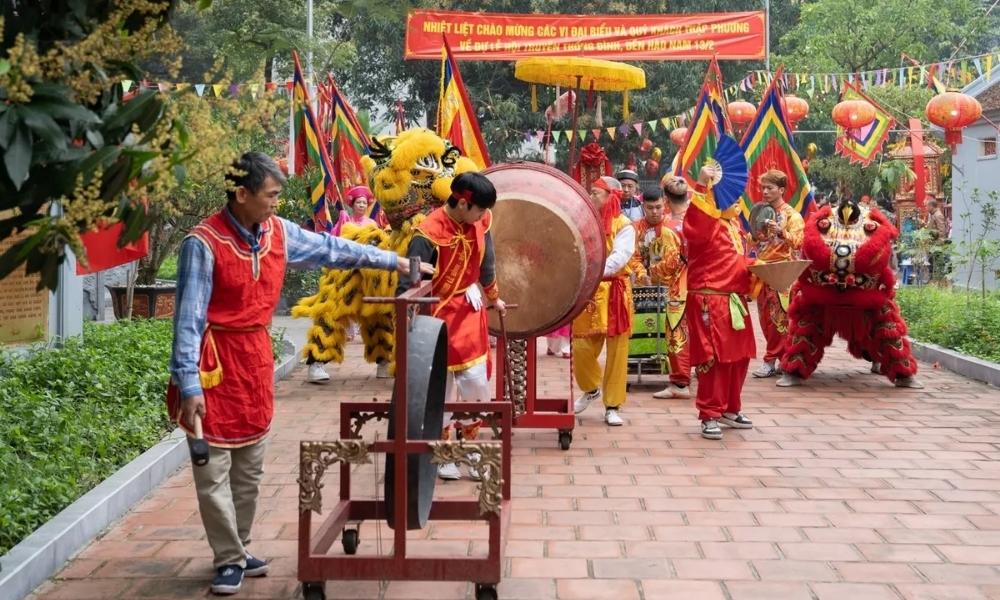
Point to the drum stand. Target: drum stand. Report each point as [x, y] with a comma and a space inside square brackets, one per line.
[315, 562]
[519, 371]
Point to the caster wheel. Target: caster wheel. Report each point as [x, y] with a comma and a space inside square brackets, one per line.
[486, 591]
[313, 590]
[565, 439]
[350, 540]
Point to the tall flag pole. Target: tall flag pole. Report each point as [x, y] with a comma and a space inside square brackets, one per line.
[400, 117]
[308, 136]
[456, 121]
[349, 142]
[768, 144]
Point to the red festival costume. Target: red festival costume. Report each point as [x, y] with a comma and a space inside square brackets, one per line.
[236, 353]
[848, 290]
[461, 248]
[721, 334]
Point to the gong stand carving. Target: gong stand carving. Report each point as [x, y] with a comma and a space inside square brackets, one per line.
[315, 458]
[360, 418]
[486, 458]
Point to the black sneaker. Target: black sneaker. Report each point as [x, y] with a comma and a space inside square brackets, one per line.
[710, 430]
[736, 421]
[256, 567]
[228, 579]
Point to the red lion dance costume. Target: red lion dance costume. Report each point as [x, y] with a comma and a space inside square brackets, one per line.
[848, 290]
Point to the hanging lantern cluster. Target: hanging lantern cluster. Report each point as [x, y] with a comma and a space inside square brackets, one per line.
[852, 115]
[953, 111]
[795, 109]
[678, 135]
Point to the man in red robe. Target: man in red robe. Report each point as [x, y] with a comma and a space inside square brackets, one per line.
[722, 339]
[456, 237]
[230, 271]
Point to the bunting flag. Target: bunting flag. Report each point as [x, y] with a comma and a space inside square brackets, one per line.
[308, 147]
[708, 125]
[456, 121]
[863, 146]
[768, 144]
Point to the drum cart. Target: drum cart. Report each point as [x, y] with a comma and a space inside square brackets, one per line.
[517, 378]
[316, 563]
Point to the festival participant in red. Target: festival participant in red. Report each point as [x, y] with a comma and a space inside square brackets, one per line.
[456, 237]
[607, 320]
[722, 339]
[780, 240]
[229, 278]
[659, 260]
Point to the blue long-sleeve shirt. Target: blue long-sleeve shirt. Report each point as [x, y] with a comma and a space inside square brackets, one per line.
[303, 249]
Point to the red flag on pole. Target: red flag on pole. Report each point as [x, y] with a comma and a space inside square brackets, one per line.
[103, 251]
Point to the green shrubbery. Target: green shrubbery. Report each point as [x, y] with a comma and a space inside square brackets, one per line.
[71, 417]
[967, 323]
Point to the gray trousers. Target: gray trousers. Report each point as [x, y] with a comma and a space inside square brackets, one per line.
[227, 488]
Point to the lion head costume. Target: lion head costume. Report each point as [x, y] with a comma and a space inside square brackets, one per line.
[409, 175]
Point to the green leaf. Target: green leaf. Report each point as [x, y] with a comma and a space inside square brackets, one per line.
[144, 109]
[44, 126]
[17, 158]
[62, 109]
[4, 66]
[8, 124]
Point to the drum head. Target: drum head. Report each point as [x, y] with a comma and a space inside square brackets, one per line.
[526, 233]
[549, 247]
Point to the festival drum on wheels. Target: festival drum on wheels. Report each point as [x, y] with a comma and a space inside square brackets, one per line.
[550, 253]
[549, 247]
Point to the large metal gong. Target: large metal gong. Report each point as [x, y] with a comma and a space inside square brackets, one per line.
[426, 376]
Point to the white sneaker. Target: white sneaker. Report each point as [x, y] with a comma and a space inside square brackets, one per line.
[789, 380]
[317, 373]
[449, 471]
[584, 401]
[382, 371]
[673, 391]
[612, 418]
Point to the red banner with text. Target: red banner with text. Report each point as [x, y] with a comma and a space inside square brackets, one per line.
[495, 36]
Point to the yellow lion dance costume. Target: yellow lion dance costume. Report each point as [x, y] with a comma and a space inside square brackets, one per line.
[409, 175]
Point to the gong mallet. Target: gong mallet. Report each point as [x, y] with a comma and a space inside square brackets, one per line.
[197, 444]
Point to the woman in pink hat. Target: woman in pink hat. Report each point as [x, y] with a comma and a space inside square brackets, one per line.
[358, 199]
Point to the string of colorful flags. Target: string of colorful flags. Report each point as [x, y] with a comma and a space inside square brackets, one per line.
[954, 72]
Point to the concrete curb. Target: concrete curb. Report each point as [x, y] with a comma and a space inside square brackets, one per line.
[43, 553]
[956, 362]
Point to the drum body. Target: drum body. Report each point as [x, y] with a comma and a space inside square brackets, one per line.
[648, 322]
[549, 244]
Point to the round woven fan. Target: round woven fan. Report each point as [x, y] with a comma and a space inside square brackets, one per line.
[731, 172]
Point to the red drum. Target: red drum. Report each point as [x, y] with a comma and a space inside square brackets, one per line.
[549, 244]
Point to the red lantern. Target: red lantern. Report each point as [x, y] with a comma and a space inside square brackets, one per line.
[741, 112]
[796, 109]
[952, 111]
[677, 136]
[853, 114]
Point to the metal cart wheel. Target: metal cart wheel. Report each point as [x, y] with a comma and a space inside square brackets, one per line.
[350, 540]
[565, 439]
[486, 591]
[313, 590]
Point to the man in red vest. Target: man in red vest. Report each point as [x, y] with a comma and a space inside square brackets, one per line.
[229, 278]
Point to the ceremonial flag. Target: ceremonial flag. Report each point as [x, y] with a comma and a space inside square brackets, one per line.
[307, 138]
[456, 121]
[863, 145]
[708, 124]
[768, 144]
[103, 251]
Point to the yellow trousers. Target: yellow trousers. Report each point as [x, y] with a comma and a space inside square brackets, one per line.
[589, 374]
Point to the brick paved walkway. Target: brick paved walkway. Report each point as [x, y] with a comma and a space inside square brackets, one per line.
[847, 489]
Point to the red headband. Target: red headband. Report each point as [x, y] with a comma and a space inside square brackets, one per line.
[599, 183]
